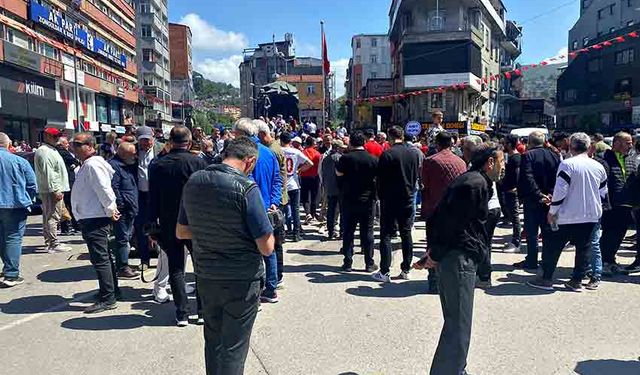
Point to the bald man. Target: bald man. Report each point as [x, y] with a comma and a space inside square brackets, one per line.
[125, 186]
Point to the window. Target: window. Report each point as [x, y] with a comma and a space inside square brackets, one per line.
[357, 59]
[611, 8]
[357, 43]
[48, 50]
[585, 41]
[374, 59]
[570, 95]
[623, 86]
[102, 110]
[437, 101]
[629, 3]
[145, 31]
[625, 57]
[374, 75]
[595, 65]
[311, 89]
[147, 55]
[601, 13]
[374, 42]
[574, 45]
[20, 39]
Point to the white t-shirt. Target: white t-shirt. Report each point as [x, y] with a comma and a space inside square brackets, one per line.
[312, 128]
[294, 158]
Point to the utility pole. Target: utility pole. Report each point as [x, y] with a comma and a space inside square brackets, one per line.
[324, 77]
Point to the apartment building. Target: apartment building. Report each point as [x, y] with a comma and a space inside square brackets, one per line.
[437, 43]
[182, 92]
[152, 25]
[70, 64]
[600, 90]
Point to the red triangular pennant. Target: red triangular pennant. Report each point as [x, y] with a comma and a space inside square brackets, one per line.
[620, 39]
[507, 75]
[634, 34]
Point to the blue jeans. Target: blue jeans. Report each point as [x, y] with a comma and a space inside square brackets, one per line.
[13, 222]
[122, 230]
[293, 217]
[596, 254]
[535, 217]
[271, 272]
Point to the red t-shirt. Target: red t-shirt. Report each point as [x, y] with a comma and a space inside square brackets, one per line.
[315, 157]
[373, 148]
[386, 146]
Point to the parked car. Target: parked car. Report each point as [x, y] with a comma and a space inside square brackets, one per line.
[36, 209]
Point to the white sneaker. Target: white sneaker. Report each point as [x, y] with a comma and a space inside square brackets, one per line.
[404, 275]
[182, 323]
[190, 288]
[59, 249]
[381, 278]
[161, 296]
[511, 248]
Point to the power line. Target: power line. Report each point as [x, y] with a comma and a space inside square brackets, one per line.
[552, 10]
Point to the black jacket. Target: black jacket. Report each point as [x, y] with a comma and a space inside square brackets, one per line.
[71, 162]
[512, 173]
[459, 221]
[398, 170]
[125, 185]
[619, 194]
[223, 248]
[538, 168]
[167, 176]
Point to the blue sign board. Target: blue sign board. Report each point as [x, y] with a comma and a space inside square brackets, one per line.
[71, 30]
[413, 128]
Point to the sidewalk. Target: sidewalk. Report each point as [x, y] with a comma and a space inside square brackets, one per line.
[327, 322]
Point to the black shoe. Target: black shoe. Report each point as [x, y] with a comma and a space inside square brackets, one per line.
[346, 267]
[126, 273]
[593, 284]
[371, 269]
[99, 307]
[633, 267]
[525, 266]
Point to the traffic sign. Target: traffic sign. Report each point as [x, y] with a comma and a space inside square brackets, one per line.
[413, 128]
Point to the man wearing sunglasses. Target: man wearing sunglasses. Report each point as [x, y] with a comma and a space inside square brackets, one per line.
[94, 205]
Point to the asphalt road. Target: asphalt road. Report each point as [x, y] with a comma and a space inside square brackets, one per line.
[327, 322]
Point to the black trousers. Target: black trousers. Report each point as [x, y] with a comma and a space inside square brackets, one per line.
[577, 234]
[66, 226]
[510, 210]
[229, 309]
[174, 248]
[95, 233]
[484, 267]
[636, 220]
[280, 233]
[353, 214]
[309, 189]
[456, 281]
[394, 215]
[333, 207]
[615, 223]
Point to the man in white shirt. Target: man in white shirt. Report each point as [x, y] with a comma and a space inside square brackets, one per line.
[94, 205]
[576, 208]
[296, 162]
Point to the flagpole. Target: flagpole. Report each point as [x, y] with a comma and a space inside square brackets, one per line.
[324, 78]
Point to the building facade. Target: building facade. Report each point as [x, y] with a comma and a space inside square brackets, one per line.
[446, 42]
[69, 64]
[371, 59]
[152, 28]
[182, 92]
[310, 94]
[600, 90]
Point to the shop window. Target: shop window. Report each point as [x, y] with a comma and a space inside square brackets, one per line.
[115, 112]
[102, 109]
[625, 57]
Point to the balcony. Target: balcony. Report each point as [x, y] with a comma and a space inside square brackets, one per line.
[155, 20]
[154, 44]
[156, 68]
[423, 34]
[507, 66]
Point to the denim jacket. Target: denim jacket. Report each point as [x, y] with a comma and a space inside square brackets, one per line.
[17, 181]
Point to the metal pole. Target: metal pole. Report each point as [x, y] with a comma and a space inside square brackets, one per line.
[324, 78]
[76, 88]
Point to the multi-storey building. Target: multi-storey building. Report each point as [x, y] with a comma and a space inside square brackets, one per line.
[66, 63]
[371, 59]
[182, 92]
[437, 43]
[154, 74]
[310, 95]
[600, 90]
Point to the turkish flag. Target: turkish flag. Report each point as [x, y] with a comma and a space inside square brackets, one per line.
[325, 56]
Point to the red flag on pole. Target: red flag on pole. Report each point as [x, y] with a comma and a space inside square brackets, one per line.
[325, 56]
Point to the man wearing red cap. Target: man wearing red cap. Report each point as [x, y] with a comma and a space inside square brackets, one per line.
[53, 182]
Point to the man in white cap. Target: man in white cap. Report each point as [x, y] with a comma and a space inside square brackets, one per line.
[53, 182]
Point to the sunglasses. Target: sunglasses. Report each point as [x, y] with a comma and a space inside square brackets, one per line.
[78, 144]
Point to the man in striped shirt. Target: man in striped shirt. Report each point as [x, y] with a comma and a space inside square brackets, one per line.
[576, 208]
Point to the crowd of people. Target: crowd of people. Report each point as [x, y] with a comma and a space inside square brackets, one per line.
[160, 198]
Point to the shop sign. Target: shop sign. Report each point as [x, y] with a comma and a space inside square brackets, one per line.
[106, 87]
[21, 56]
[456, 125]
[120, 91]
[120, 129]
[30, 88]
[106, 128]
[70, 75]
[413, 128]
[64, 25]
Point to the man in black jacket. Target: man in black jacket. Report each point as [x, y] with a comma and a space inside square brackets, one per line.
[509, 188]
[458, 241]
[231, 233]
[71, 162]
[398, 169]
[125, 186]
[615, 221]
[538, 169]
[167, 177]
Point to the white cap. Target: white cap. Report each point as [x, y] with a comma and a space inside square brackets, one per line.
[297, 139]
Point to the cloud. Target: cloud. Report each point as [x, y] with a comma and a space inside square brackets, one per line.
[221, 70]
[339, 68]
[307, 50]
[207, 37]
[564, 51]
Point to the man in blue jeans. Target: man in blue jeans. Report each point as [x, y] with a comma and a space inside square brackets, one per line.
[17, 191]
[266, 174]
